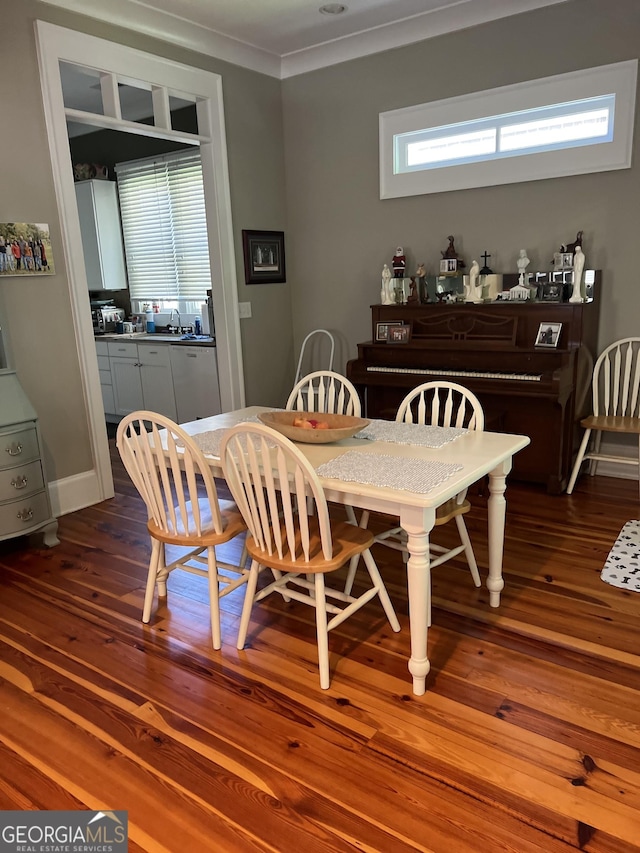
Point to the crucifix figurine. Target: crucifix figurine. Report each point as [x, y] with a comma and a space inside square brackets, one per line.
[485, 269]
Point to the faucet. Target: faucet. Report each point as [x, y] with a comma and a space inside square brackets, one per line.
[179, 327]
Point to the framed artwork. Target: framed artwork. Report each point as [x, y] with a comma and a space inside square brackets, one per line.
[399, 334]
[25, 249]
[551, 291]
[548, 335]
[263, 257]
[382, 329]
[448, 266]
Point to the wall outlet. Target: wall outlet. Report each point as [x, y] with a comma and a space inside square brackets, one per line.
[244, 310]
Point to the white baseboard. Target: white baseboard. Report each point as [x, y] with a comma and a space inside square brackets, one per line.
[73, 493]
[618, 469]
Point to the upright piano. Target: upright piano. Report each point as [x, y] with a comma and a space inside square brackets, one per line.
[524, 388]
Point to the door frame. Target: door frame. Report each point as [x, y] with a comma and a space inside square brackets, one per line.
[162, 75]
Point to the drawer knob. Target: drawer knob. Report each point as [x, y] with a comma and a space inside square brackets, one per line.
[19, 482]
[25, 514]
[14, 449]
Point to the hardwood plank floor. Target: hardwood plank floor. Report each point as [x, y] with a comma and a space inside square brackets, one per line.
[527, 740]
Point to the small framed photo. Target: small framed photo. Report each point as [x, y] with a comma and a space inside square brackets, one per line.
[567, 260]
[548, 335]
[448, 266]
[382, 329]
[550, 291]
[399, 334]
[263, 257]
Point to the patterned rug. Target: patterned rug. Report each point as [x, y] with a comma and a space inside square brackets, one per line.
[622, 566]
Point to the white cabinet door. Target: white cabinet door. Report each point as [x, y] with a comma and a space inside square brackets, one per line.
[127, 385]
[195, 382]
[101, 235]
[157, 381]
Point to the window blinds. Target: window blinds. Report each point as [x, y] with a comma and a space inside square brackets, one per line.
[164, 227]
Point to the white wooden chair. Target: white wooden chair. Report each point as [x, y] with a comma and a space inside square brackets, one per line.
[175, 482]
[313, 345]
[324, 391]
[330, 392]
[269, 479]
[615, 388]
[444, 404]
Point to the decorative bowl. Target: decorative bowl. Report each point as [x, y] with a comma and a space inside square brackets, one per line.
[339, 426]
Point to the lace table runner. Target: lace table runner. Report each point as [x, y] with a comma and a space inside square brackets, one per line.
[393, 472]
[401, 433]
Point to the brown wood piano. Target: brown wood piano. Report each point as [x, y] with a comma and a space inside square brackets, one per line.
[539, 391]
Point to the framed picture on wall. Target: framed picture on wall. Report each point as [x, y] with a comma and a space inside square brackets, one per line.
[25, 249]
[263, 257]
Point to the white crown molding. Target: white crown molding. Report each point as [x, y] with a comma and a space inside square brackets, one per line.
[162, 25]
[135, 15]
[462, 15]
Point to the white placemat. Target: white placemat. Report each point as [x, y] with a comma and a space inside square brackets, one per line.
[401, 433]
[622, 566]
[209, 441]
[393, 472]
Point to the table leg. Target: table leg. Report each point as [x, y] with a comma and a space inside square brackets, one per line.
[418, 523]
[497, 510]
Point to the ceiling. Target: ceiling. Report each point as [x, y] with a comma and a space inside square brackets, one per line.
[287, 37]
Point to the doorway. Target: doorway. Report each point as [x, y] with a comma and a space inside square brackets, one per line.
[115, 66]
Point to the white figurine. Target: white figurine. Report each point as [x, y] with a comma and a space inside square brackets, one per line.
[386, 296]
[578, 266]
[523, 263]
[474, 293]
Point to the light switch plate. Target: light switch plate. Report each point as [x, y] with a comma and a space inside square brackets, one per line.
[244, 310]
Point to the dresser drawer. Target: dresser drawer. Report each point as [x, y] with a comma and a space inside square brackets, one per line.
[21, 481]
[124, 349]
[21, 515]
[18, 446]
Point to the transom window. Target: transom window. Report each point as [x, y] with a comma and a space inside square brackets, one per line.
[564, 125]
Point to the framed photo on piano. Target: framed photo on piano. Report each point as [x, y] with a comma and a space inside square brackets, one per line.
[548, 335]
[399, 334]
[382, 329]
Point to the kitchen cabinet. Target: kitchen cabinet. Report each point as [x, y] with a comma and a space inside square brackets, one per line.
[141, 378]
[195, 381]
[106, 383]
[101, 232]
[25, 507]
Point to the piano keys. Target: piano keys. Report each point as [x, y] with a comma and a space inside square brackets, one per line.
[490, 348]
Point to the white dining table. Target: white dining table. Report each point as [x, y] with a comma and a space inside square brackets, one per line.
[477, 453]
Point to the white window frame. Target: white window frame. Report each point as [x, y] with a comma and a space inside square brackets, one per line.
[618, 79]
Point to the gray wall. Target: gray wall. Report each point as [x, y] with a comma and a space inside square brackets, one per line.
[37, 310]
[324, 127]
[343, 232]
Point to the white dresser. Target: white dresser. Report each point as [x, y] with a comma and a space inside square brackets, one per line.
[25, 507]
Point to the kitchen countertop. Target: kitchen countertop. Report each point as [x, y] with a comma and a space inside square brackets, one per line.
[159, 338]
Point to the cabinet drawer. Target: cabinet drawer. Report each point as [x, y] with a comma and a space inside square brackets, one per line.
[103, 363]
[124, 349]
[18, 483]
[150, 354]
[18, 446]
[24, 514]
[102, 348]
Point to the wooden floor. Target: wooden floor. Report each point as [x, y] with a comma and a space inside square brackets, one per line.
[528, 738]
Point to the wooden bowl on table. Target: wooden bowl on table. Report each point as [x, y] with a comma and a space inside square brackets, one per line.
[314, 431]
